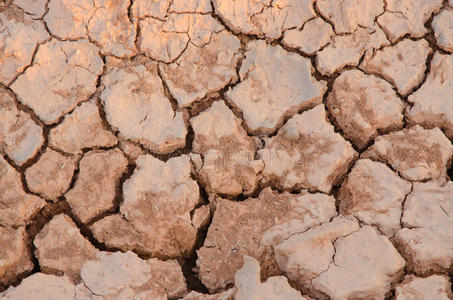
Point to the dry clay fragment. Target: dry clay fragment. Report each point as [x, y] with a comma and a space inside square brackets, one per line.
[64, 73]
[158, 199]
[16, 206]
[380, 203]
[154, 9]
[347, 15]
[111, 28]
[265, 101]
[347, 50]
[81, 129]
[427, 242]
[19, 37]
[20, 136]
[363, 106]
[252, 227]
[248, 285]
[443, 29]
[36, 8]
[264, 18]
[114, 274]
[149, 117]
[307, 153]
[415, 153]
[105, 22]
[403, 64]
[68, 19]
[201, 217]
[95, 189]
[61, 248]
[201, 70]
[364, 266]
[41, 286]
[432, 101]
[159, 44]
[166, 40]
[433, 287]
[14, 255]
[309, 39]
[304, 256]
[110, 276]
[229, 167]
[51, 175]
[407, 17]
[116, 232]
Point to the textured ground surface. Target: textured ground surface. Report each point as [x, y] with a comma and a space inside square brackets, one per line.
[225, 149]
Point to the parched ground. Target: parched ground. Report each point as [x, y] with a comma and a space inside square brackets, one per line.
[226, 149]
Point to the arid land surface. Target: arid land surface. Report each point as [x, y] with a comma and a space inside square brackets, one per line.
[226, 149]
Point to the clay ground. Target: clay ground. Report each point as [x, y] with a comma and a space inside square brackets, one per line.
[226, 149]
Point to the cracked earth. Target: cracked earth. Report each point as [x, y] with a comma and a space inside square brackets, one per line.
[224, 149]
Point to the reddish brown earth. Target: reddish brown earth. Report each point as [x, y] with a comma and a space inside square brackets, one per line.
[225, 149]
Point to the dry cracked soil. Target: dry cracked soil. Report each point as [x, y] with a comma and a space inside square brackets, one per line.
[226, 149]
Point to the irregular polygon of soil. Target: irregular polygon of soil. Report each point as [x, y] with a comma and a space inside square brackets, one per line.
[158, 199]
[16, 206]
[407, 17]
[111, 28]
[264, 18]
[20, 136]
[403, 64]
[51, 175]
[380, 203]
[363, 106]
[63, 74]
[154, 9]
[307, 153]
[149, 117]
[36, 8]
[68, 19]
[252, 227]
[304, 256]
[81, 129]
[116, 232]
[117, 274]
[248, 285]
[348, 15]
[158, 44]
[443, 29]
[228, 165]
[61, 248]
[14, 254]
[95, 188]
[41, 286]
[166, 40]
[19, 37]
[432, 287]
[347, 50]
[415, 153]
[432, 102]
[201, 70]
[266, 100]
[365, 265]
[309, 39]
[426, 242]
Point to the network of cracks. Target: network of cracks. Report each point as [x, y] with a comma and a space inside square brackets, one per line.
[271, 149]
